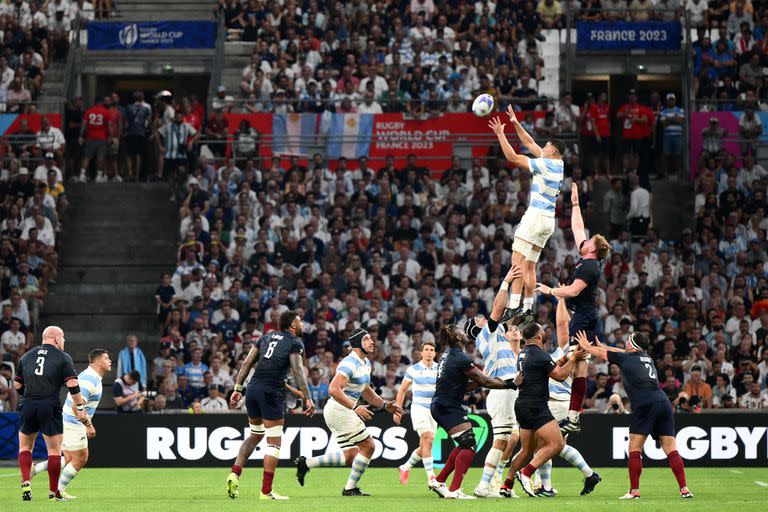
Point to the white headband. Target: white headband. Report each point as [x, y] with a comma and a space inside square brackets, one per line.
[635, 345]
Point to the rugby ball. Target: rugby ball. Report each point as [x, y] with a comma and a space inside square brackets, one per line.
[483, 105]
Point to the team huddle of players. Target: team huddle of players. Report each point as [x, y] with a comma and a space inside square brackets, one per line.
[534, 398]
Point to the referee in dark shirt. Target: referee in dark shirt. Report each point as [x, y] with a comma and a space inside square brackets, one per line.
[39, 377]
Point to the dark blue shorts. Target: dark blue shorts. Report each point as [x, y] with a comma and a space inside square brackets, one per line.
[448, 415]
[532, 417]
[654, 419]
[266, 404]
[586, 323]
[41, 416]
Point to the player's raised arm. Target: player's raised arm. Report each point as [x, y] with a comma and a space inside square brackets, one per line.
[502, 297]
[577, 223]
[297, 366]
[567, 292]
[562, 320]
[560, 373]
[245, 369]
[524, 136]
[485, 381]
[600, 352]
[497, 126]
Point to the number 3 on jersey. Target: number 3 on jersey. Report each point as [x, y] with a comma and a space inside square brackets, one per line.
[270, 349]
[40, 366]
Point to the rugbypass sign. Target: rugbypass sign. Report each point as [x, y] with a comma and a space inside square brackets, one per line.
[212, 440]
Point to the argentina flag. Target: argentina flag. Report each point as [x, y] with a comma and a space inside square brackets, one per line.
[294, 134]
[349, 135]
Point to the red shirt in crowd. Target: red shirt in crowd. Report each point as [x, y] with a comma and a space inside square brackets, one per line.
[96, 119]
[114, 118]
[600, 116]
[631, 128]
[192, 120]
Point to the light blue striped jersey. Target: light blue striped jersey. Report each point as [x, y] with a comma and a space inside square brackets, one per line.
[424, 379]
[560, 391]
[90, 387]
[358, 371]
[547, 180]
[498, 358]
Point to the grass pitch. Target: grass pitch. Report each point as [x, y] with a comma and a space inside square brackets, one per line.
[192, 490]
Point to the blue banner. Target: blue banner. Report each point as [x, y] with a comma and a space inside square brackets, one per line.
[9, 438]
[151, 35]
[622, 35]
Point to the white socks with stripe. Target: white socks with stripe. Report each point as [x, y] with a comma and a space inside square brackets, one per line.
[412, 461]
[545, 473]
[500, 469]
[67, 474]
[514, 300]
[574, 458]
[333, 459]
[359, 465]
[528, 304]
[489, 469]
[40, 467]
[428, 466]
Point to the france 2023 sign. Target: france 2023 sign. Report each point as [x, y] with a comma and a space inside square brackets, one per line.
[624, 36]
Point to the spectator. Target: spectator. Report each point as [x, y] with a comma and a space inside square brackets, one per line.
[195, 369]
[750, 128]
[318, 389]
[634, 118]
[615, 205]
[131, 358]
[696, 387]
[639, 214]
[672, 118]
[214, 402]
[127, 393]
[755, 398]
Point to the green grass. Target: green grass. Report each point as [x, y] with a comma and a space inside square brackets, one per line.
[163, 490]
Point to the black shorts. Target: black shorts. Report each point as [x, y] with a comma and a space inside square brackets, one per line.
[266, 404]
[41, 416]
[633, 145]
[135, 144]
[583, 322]
[654, 419]
[448, 415]
[532, 417]
[593, 146]
[171, 165]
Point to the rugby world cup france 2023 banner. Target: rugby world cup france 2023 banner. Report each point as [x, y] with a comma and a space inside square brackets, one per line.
[179, 440]
[151, 35]
[625, 36]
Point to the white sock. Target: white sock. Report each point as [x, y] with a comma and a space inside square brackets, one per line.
[514, 300]
[428, 466]
[334, 459]
[528, 303]
[545, 473]
[412, 461]
[500, 468]
[67, 474]
[359, 465]
[573, 416]
[40, 467]
[489, 468]
[575, 459]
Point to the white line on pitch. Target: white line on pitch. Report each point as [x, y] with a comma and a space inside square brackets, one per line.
[761, 484]
[8, 476]
[736, 471]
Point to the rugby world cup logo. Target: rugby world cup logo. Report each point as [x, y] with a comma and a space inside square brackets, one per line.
[129, 35]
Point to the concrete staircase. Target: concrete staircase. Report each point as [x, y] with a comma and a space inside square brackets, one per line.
[153, 10]
[117, 241]
[237, 55]
[51, 99]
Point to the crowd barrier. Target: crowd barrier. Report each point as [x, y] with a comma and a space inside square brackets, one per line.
[211, 440]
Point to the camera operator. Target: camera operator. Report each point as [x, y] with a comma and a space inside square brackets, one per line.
[616, 405]
[127, 393]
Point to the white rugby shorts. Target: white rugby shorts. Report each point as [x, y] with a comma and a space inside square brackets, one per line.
[345, 425]
[75, 437]
[559, 409]
[501, 408]
[422, 420]
[535, 228]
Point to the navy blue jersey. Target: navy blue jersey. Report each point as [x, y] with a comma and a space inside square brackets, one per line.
[536, 366]
[43, 370]
[275, 349]
[588, 270]
[451, 377]
[638, 374]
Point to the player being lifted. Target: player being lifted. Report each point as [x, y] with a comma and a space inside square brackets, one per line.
[77, 433]
[499, 348]
[559, 401]
[422, 376]
[538, 222]
[538, 429]
[39, 376]
[345, 416]
[651, 411]
[580, 295]
[272, 356]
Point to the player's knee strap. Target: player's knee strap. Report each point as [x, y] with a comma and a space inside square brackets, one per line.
[501, 437]
[467, 440]
[521, 246]
[257, 430]
[275, 431]
[272, 451]
[493, 457]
